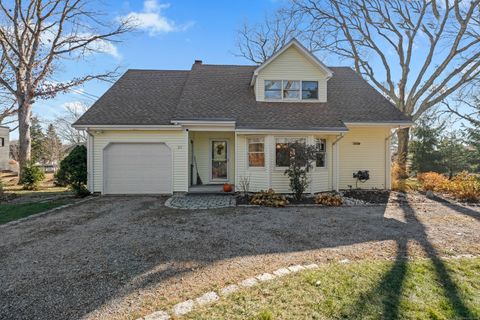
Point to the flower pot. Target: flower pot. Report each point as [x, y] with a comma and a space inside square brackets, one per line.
[227, 187]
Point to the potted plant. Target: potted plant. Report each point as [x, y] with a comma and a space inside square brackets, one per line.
[227, 187]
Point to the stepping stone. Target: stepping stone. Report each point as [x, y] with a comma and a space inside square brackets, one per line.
[265, 277]
[229, 289]
[250, 282]
[311, 266]
[158, 315]
[296, 268]
[207, 298]
[281, 272]
[183, 308]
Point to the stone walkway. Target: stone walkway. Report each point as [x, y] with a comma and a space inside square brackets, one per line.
[201, 201]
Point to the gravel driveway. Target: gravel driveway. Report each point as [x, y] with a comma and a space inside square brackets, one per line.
[123, 257]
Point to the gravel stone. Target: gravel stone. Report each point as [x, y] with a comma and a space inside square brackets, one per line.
[111, 257]
[229, 289]
[296, 268]
[265, 277]
[183, 308]
[199, 202]
[250, 282]
[207, 298]
[281, 272]
[158, 315]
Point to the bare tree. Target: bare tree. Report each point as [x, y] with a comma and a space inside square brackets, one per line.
[35, 37]
[466, 105]
[416, 52]
[259, 42]
[63, 124]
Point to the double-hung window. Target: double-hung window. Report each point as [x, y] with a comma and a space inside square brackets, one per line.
[291, 90]
[321, 161]
[256, 152]
[284, 150]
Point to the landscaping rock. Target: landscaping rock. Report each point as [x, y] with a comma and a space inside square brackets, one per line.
[250, 282]
[281, 272]
[311, 266]
[296, 268]
[158, 315]
[183, 308]
[207, 298]
[229, 289]
[265, 277]
[430, 194]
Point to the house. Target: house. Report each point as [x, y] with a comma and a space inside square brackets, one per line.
[164, 131]
[4, 148]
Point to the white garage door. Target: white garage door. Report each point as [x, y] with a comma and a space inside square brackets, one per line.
[136, 168]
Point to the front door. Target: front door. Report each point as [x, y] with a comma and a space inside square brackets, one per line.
[219, 160]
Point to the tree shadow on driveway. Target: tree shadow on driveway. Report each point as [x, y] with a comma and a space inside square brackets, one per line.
[66, 266]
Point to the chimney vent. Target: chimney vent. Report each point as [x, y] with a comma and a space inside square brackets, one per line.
[198, 61]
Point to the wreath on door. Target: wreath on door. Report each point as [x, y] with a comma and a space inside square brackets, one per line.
[220, 148]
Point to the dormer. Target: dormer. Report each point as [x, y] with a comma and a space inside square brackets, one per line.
[292, 74]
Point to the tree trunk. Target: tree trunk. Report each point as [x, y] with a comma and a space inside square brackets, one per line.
[25, 142]
[402, 151]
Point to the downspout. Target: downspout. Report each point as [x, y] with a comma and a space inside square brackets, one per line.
[90, 167]
[336, 171]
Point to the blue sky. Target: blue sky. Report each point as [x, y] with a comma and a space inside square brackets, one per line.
[175, 34]
[171, 35]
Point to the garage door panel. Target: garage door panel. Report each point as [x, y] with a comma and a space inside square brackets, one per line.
[136, 168]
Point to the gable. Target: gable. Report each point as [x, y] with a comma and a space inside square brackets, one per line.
[292, 64]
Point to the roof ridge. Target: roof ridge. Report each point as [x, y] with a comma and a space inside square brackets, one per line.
[157, 70]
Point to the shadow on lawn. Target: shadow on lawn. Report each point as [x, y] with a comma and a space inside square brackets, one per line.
[389, 289]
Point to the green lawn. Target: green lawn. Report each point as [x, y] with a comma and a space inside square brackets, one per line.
[419, 289]
[10, 212]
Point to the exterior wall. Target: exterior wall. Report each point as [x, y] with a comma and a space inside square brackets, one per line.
[371, 154]
[5, 150]
[176, 140]
[273, 177]
[201, 150]
[291, 65]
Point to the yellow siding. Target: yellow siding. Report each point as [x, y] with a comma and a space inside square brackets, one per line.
[370, 155]
[272, 177]
[176, 140]
[201, 145]
[291, 65]
[258, 177]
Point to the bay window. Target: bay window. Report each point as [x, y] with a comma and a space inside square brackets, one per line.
[284, 151]
[321, 161]
[256, 152]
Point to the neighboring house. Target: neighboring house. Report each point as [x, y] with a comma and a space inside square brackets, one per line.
[153, 130]
[4, 148]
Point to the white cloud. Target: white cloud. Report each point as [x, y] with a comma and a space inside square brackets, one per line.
[152, 19]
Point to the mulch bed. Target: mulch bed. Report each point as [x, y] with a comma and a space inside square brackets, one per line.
[370, 196]
[245, 199]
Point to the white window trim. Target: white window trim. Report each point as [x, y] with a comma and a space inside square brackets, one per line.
[248, 152]
[275, 149]
[291, 99]
[324, 152]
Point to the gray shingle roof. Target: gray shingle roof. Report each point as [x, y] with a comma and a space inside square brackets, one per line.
[223, 92]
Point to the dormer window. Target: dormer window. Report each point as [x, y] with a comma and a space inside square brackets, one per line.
[291, 90]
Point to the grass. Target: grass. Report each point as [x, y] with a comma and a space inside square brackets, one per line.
[10, 212]
[404, 289]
